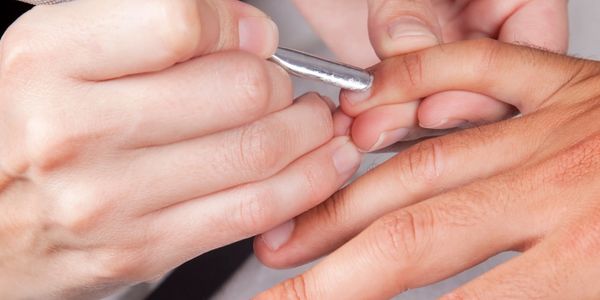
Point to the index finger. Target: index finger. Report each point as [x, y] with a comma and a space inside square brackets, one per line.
[501, 71]
[100, 40]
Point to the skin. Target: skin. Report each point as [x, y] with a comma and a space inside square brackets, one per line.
[422, 24]
[529, 184]
[109, 123]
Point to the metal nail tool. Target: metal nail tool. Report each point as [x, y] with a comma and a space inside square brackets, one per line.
[308, 66]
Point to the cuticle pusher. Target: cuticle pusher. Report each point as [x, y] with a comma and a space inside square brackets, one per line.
[309, 66]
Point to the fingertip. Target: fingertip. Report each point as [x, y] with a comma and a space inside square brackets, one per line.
[258, 35]
[403, 35]
[293, 253]
[268, 257]
[384, 125]
[353, 103]
[363, 136]
[401, 27]
[357, 97]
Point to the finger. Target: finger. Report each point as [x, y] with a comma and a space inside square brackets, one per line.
[384, 125]
[424, 170]
[115, 38]
[529, 24]
[568, 256]
[247, 210]
[457, 109]
[486, 66]
[341, 123]
[185, 101]
[397, 27]
[166, 175]
[351, 16]
[539, 23]
[554, 269]
[440, 237]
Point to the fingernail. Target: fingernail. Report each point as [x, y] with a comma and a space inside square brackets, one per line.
[389, 138]
[357, 97]
[444, 124]
[346, 158]
[278, 236]
[413, 28]
[258, 35]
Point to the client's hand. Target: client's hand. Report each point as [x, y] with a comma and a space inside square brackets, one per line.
[128, 145]
[400, 26]
[529, 184]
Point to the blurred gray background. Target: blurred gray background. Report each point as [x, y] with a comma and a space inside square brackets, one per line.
[295, 33]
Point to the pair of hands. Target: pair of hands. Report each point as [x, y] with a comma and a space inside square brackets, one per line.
[528, 184]
[119, 136]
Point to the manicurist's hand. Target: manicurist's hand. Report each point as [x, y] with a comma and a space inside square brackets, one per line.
[529, 184]
[136, 135]
[401, 26]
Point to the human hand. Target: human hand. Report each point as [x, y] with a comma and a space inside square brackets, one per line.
[528, 184]
[135, 136]
[398, 27]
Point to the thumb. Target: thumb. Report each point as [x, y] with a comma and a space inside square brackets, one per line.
[398, 27]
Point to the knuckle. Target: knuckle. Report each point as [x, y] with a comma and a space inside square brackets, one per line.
[261, 148]
[472, 205]
[334, 210]
[400, 236]
[584, 235]
[489, 51]
[422, 164]
[294, 288]
[24, 45]
[180, 27]
[254, 212]
[577, 163]
[50, 142]
[413, 69]
[16, 55]
[79, 210]
[116, 265]
[252, 86]
[313, 182]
